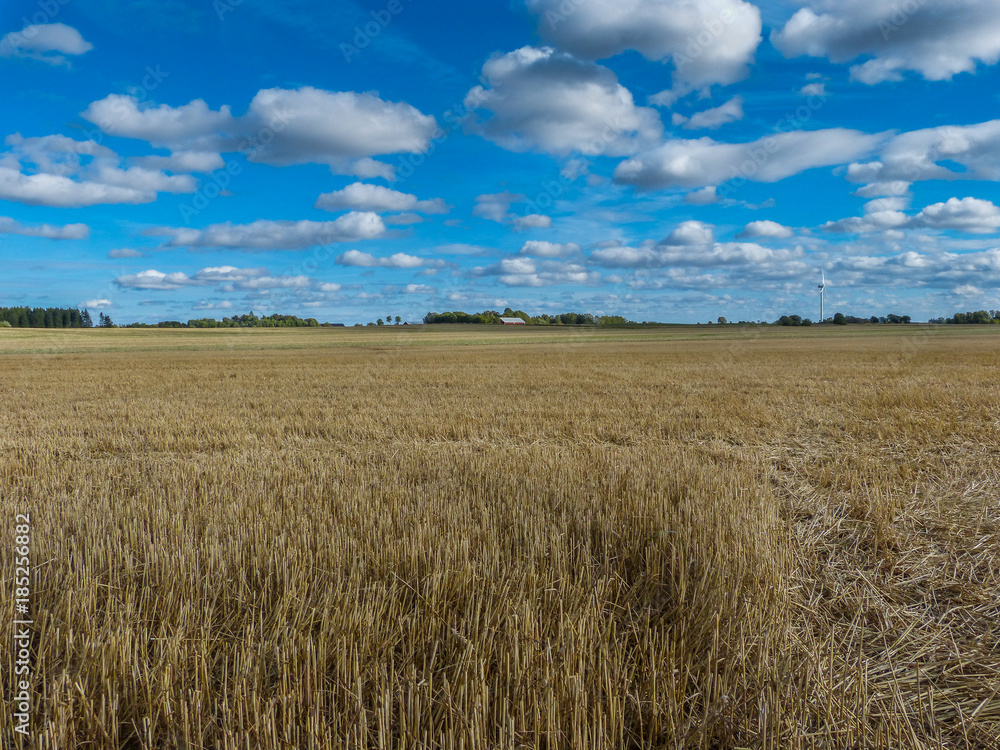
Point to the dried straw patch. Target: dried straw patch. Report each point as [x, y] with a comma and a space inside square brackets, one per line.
[587, 545]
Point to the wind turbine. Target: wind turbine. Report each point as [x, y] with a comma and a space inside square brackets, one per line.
[822, 298]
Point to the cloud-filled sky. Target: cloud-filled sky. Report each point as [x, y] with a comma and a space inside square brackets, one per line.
[670, 160]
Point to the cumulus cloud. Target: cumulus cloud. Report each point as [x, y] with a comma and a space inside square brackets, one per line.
[539, 99]
[42, 41]
[971, 215]
[813, 89]
[184, 161]
[48, 231]
[326, 127]
[966, 214]
[708, 41]
[366, 197]
[532, 221]
[495, 206]
[419, 289]
[705, 162]
[717, 254]
[541, 249]
[712, 119]
[99, 304]
[63, 192]
[163, 125]
[58, 171]
[277, 235]
[707, 196]
[936, 38]
[367, 260]
[690, 233]
[228, 279]
[765, 229]
[342, 129]
[933, 153]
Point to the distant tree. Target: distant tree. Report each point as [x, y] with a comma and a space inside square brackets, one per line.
[839, 319]
[85, 319]
[722, 321]
[398, 320]
[380, 322]
[106, 322]
[873, 319]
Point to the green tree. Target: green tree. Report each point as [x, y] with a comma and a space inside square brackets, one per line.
[722, 321]
[398, 320]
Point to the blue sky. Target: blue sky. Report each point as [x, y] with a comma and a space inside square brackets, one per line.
[670, 160]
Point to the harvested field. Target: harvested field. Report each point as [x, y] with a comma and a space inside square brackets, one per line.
[686, 538]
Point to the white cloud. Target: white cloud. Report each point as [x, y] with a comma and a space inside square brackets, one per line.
[707, 196]
[48, 231]
[325, 127]
[918, 155]
[38, 41]
[711, 119]
[62, 192]
[366, 260]
[709, 41]
[717, 254]
[543, 249]
[41, 171]
[691, 233]
[154, 280]
[124, 252]
[532, 221]
[936, 38]
[98, 304]
[813, 89]
[265, 234]
[972, 215]
[184, 161]
[163, 125]
[229, 278]
[366, 197]
[967, 215]
[419, 289]
[206, 305]
[765, 229]
[494, 206]
[548, 101]
[704, 162]
[281, 127]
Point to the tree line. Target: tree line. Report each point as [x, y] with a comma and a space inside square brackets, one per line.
[250, 320]
[45, 317]
[492, 317]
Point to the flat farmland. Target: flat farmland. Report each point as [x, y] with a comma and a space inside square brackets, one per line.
[707, 537]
